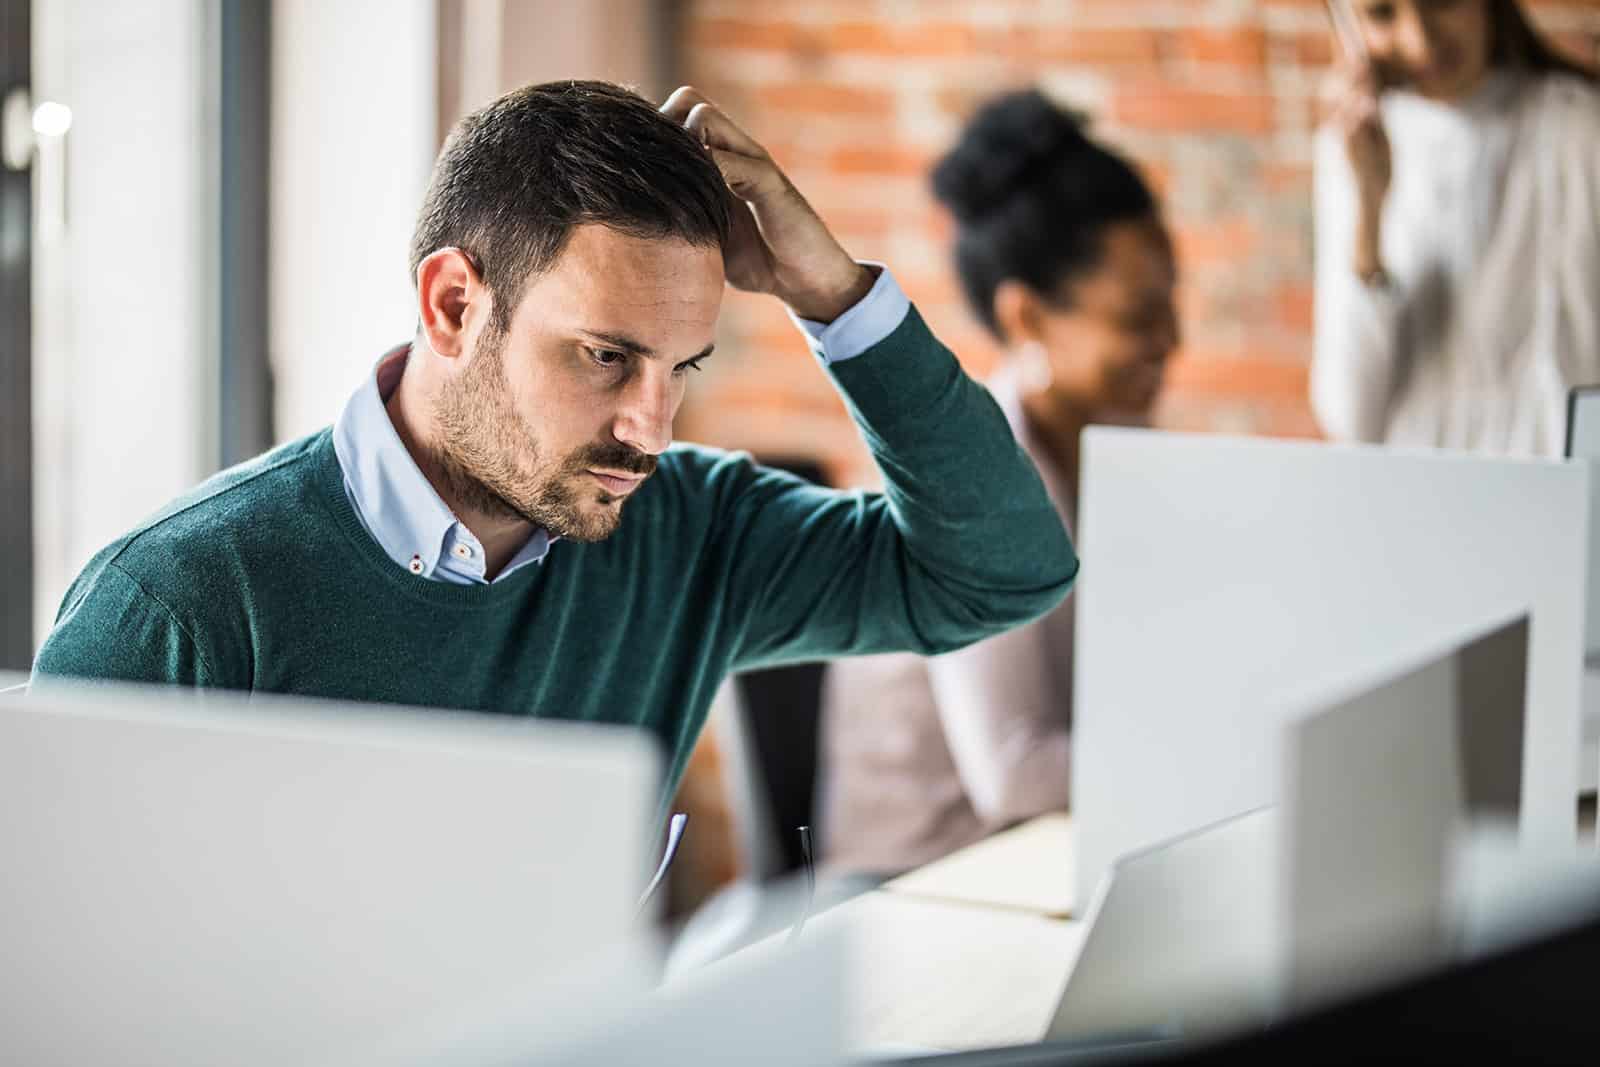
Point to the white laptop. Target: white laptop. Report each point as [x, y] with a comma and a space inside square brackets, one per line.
[1180, 938]
[193, 879]
[1381, 783]
[1347, 884]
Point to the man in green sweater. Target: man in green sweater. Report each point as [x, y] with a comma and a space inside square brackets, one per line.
[498, 520]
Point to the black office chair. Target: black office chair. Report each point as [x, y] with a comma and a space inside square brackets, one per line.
[778, 715]
[767, 725]
[780, 712]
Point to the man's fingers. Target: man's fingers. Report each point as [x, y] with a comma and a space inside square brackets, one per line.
[681, 102]
[717, 130]
[750, 179]
[689, 106]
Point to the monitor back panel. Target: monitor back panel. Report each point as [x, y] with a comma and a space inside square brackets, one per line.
[192, 881]
[1222, 573]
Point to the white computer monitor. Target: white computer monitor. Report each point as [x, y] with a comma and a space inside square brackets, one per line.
[193, 878]
[1382, 779]
[1221, 573]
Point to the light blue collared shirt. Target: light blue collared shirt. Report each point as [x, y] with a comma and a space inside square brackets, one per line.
[400, 509]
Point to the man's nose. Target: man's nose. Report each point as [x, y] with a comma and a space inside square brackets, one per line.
[644, 421]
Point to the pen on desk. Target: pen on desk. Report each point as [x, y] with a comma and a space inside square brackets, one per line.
[674, 836]
[811, 882]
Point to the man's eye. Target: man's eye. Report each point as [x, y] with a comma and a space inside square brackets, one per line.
[693, 364]
[607, 357]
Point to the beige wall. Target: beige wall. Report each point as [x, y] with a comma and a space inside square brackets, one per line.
[353, 137]
[490, 46]
[121, 424]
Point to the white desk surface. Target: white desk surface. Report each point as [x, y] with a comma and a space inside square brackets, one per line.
[944, 974]
[1026, 868]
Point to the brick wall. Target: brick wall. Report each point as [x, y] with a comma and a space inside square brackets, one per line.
[856, 98]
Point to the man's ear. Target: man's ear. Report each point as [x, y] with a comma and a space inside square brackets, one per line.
[1018, 312]
[449, 293]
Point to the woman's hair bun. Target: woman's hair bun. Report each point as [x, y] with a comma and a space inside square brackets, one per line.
[1008, 144]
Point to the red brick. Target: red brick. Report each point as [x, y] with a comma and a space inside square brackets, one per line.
[1159, 177]
[1290, 420]
[925, 40]
[1171, 109]
[1225, 241]
[1203, 372]
[879, 160]
[824, 99]
[1243, 369]
[1314, 48]
[1286, 178]
[1240, 46]
[1088, 47]
[1292, 304]
[749, 34]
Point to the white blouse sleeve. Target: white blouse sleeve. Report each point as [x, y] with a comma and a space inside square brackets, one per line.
[1356, 342]
[1006, 723]
[1575, 287]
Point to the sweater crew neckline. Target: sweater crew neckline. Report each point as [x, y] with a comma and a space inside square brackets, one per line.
[330, 487]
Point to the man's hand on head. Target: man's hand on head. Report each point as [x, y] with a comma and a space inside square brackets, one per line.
[778, 243]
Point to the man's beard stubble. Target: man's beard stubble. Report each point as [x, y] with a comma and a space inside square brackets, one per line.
[490, 459]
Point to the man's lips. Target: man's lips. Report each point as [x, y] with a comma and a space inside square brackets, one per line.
[617, 484]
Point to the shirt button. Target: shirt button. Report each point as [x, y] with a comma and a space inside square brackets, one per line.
[462, 551]
[415, 566]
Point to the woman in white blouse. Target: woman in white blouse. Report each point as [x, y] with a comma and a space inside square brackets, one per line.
[1063, 256]
[1458, 232]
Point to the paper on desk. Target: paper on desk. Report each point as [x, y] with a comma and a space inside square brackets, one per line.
[1028, 868]
[942, 975]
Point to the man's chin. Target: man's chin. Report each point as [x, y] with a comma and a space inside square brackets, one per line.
[594, 521]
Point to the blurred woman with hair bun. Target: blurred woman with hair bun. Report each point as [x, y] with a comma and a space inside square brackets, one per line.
[1063, 255]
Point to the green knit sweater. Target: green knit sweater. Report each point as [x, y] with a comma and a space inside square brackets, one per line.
[264, 579]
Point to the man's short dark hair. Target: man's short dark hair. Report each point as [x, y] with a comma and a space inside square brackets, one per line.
[517, 175]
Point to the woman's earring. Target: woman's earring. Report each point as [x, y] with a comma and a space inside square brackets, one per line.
[1033, 367]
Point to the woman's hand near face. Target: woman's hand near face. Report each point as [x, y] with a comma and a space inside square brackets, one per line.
[1352, 111]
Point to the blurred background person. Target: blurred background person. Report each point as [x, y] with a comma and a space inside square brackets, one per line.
[1063, 255]
[1457, 197]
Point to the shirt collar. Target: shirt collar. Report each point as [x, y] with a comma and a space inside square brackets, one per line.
[394, 499]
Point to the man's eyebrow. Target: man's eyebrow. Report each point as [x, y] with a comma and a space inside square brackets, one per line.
[622, 342]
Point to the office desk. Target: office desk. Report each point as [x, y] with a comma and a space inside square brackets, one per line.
[1027, 868]
[944, 973]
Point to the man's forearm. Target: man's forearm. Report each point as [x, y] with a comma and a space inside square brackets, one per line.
[987, 546]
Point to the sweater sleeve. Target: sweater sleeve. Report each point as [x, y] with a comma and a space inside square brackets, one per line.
[1356, 331]
[112, 628]
[963, 542]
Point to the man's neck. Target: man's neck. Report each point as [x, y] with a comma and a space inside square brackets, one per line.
[411, 411]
